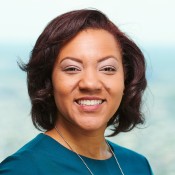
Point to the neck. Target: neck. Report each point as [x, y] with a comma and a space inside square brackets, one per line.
[89, 144]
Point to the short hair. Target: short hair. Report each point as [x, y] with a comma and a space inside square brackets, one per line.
[39, 69]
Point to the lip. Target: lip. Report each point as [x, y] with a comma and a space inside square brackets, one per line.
[89, 108]
[90, 98]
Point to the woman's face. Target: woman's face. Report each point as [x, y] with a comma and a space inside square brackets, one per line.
[88, 80]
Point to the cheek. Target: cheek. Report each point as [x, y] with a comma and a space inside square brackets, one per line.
[59, 89]
[61, 84]
[115, 90]
[115, 86]
[63, 91]
[61, 96]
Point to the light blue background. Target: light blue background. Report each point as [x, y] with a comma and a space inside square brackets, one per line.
[149, 23]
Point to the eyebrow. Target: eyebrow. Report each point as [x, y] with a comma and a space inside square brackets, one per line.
[80, 61]
[108, 57]
[71, 58]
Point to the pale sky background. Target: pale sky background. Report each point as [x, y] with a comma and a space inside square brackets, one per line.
[148, 21]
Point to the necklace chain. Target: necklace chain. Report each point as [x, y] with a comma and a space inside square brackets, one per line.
[82, 158]
[115, 158]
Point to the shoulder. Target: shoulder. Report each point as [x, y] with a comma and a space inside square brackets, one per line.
[130, 159]
[18, 163]
[127, 153]
[23, 160]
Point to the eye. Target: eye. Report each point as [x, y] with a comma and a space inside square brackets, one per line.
[71, 69]
[108, 69]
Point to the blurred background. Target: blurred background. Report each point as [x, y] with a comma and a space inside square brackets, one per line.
[149, 23]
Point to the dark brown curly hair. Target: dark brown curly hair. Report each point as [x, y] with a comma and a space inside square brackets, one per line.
[39, 69]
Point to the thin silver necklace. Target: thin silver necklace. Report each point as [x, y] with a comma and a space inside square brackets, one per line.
[60, 134]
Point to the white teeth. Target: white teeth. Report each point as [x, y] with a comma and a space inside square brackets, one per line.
[89, 102]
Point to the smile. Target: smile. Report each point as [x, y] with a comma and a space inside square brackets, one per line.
[89, 102]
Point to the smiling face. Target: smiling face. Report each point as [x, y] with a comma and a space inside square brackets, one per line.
[88, 80]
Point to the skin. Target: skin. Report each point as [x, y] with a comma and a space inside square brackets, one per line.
[89, 67]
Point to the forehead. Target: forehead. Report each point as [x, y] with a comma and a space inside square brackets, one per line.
[91, 43]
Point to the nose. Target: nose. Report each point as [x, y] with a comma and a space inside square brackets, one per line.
[90, 81]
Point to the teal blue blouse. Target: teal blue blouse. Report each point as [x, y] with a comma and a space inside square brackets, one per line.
[45, 156]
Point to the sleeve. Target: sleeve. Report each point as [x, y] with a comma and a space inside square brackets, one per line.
[150, 169]
[17, 165]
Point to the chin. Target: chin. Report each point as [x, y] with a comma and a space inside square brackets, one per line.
[92, 126]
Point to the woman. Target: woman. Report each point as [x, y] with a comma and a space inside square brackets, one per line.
[84, 75]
